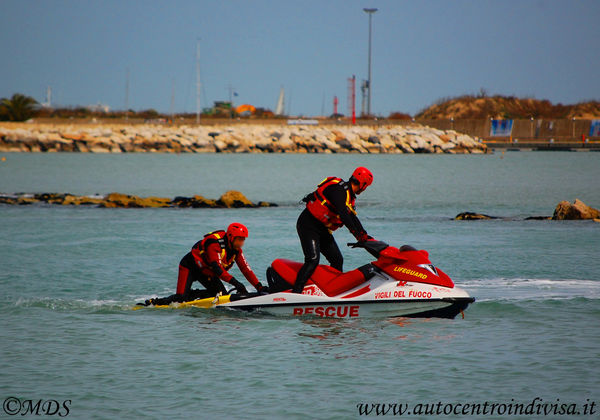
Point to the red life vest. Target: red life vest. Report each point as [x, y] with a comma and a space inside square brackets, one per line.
[219, 237]
[323, 210]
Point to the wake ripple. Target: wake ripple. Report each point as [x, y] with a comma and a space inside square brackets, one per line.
[515, 289]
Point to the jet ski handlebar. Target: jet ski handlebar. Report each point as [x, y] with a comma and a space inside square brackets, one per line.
[372, 247]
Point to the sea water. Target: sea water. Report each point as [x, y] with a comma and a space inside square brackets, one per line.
[69, 277]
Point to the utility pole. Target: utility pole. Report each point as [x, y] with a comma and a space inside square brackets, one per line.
[127, 95]
[198, 81]
[364, 92]
[352, 99]
[173, 101]
[370, 13]
[230, 88]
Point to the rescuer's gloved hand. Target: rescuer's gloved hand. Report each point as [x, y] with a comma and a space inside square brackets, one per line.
[241, 289]
[362, 237]
[261, 289]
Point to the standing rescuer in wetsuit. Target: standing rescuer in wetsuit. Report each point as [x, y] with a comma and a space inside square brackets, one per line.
[208, 262]
[328, 208]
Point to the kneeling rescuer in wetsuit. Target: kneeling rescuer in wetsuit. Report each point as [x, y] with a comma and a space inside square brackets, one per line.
[208, 263]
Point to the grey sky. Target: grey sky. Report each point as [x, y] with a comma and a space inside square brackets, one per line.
[422, 50]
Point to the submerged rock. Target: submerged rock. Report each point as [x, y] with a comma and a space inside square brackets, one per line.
[231, 199]
[6, 199]
[576, 211]
[73, 200]
[473, 216]
[267, 204]
[133, 201]
[22, 201]
[52, 198]
[234, 199]
[196, 202]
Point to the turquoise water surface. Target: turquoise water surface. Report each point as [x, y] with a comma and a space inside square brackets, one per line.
[69, 277]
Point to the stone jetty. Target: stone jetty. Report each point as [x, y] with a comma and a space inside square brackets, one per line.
[231, 199]
[234, 138]
[564, 210]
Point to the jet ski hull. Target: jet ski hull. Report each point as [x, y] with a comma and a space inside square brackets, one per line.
[418, 308]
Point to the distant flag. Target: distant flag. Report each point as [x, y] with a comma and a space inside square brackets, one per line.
[595, 128]
[501, 128]
[235, 94]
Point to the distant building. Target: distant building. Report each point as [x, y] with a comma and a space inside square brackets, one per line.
[220, 108]
[98, 108]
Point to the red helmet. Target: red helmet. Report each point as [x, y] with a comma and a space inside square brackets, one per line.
[235, 230]
[363, 177]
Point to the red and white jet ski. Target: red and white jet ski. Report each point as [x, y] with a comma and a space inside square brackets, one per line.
[400, 283]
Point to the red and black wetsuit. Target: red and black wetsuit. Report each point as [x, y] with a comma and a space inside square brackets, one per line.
[208, 262]
[328, 208]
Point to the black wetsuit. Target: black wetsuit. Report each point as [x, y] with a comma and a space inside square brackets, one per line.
[316, 239]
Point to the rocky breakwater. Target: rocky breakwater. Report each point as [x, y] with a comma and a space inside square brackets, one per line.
[235, 138]
[231, 199]
[577, 210]
[564, 210]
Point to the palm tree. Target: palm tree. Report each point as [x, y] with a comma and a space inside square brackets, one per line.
[17, 108]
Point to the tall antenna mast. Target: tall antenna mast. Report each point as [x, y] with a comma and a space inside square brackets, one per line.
[173, 100]
[364, 89]
[127, 95]
[352, 98]
[198, 81]
[231, 109]
[369, 84]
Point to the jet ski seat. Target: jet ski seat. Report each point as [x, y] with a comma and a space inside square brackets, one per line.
[331, 281]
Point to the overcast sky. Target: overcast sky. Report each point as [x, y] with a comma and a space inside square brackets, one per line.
[422, 51]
